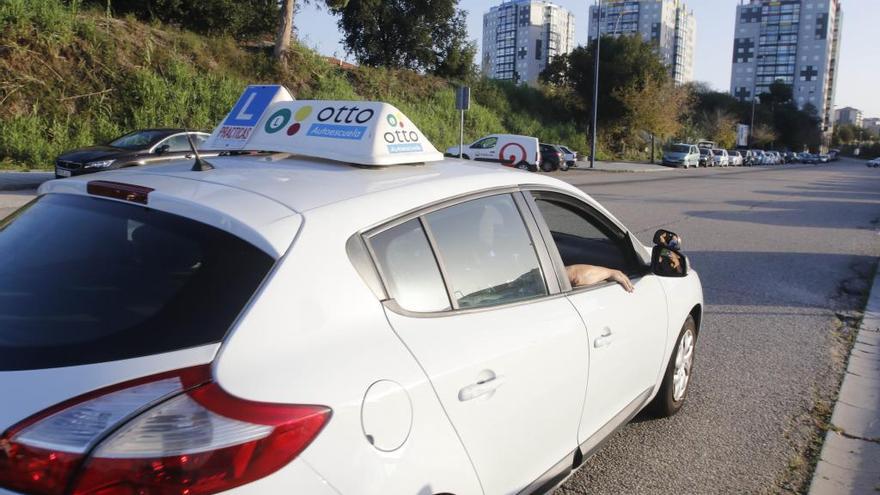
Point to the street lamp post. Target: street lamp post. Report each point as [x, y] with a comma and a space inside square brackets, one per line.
[596, 83]
[752, 123]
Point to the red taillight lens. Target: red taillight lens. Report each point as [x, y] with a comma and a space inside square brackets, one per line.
[42, 453]
[202, 441]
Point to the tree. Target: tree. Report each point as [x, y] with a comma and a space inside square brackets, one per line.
[625, 62]
[285, 25]
[422, 35]
[653, 106]
[285, 29]
[243, 19]
[763, 135]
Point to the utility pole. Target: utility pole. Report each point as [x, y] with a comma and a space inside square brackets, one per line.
[596, 83]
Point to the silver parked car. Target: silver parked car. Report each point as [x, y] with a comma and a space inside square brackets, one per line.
[681, 155]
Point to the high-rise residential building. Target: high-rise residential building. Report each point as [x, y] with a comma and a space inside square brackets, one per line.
[521, 36]
[848, 115]
[872, 125]
[793, 41]
[668, 24]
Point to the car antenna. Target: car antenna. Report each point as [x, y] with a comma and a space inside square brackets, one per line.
[200, 165]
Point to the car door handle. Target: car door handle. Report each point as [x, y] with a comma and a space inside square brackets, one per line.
[188, 156]
[604, 340]
[481, 388]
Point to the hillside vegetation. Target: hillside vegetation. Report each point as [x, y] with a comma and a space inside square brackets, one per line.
[71, 77]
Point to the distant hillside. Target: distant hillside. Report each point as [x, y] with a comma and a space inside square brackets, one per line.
[72, 78]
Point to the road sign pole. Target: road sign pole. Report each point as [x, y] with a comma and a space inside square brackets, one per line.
[596, 83]
[461, 136]
[462, 102]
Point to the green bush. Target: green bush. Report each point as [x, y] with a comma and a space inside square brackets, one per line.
[74, 77]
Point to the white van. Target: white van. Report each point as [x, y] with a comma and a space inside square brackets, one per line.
[507, 149]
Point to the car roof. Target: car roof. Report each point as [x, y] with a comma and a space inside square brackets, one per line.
[303, 184]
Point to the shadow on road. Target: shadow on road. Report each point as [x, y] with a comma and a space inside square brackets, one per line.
[778, 279]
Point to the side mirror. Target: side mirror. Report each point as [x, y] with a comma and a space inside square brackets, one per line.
[667, 239]
[161, 150]
[668, 263]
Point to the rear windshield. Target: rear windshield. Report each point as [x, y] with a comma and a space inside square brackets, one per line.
[87, 280]
[678, 148]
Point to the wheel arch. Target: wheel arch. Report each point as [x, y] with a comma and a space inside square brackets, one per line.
[697, 314]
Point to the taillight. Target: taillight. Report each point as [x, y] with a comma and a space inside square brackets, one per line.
[119, 190]
[177, 433]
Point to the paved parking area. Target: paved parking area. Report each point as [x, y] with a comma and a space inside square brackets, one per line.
[17, 181]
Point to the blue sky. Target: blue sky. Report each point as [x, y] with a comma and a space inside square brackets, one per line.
[859, 69]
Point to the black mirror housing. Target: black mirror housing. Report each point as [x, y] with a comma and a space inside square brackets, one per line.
[668, 263]
[667, 239]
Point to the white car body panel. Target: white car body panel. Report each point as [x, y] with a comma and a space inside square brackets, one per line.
[266, 223]
[536, 356]
[619, 335]
[285, 340]
[315, 333]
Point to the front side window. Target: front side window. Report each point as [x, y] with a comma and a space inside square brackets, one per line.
[485, 143]
[580, 240]
[487, 252]
[409, 268]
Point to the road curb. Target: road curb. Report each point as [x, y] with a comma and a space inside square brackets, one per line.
[850, 458]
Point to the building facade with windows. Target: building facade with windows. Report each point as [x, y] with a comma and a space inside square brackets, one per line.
[793, 41]
[848, 115]
[521, 36]
[668, 24]
[872, 125]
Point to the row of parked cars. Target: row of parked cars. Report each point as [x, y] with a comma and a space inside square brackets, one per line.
[523, 152]
[706, 154]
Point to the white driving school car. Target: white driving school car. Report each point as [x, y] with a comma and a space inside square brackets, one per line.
[346, 313]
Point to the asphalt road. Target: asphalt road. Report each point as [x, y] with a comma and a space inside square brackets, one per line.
[772, 246]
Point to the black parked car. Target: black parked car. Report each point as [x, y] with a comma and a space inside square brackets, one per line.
[135, 148]
[552, 158]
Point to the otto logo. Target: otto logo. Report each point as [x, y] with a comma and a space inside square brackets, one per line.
[345, 115]
[281, 118]
[399, 135]
[394, 120]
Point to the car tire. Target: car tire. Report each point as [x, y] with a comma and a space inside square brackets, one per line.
[465, 157]
[522, 165]
[672, 392]
[547, 166]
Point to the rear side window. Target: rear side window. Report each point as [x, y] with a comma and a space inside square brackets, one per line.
[87, 280]
[487, 252]
[409, 268]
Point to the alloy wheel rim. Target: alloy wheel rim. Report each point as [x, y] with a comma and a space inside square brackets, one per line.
[684, 360]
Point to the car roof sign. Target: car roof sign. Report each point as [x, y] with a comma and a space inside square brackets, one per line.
[359, 132]
[239, 124]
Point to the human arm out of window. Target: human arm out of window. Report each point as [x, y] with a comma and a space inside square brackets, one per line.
[586, 275]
